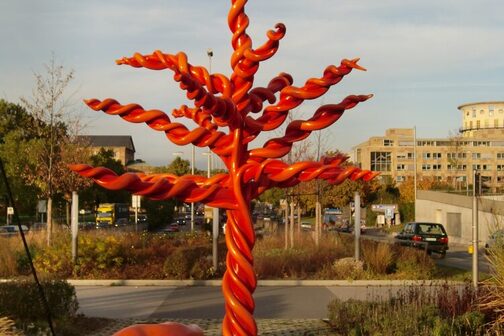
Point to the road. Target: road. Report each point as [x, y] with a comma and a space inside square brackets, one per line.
[208, 303]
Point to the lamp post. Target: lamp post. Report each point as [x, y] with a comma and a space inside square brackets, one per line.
[215, 217]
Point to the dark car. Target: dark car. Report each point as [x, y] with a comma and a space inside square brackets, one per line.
[431, 237]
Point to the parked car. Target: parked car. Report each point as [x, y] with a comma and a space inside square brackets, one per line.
[496, 240]
[173, 227]
[431, 237]
[11, 230]
[305, 226]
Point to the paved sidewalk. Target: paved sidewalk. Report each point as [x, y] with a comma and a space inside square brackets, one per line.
[266, 327]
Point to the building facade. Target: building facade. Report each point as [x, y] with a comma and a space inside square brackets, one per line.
[121, 145]
[479, 146]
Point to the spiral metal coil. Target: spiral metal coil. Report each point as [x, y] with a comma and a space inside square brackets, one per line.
[234, 103]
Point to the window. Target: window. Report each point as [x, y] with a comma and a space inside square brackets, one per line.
[401, 156]
[474, 113]
[491, 109]
[476, 167]
[436, 167]
[401, 167]
[426, 166]
[486, 167]
[478, 123]
[500, 156]
[381, 161]
[412, 156]
[436, 155]
[476, 155]
[406, 143]
[426, 156]
[388, 142]
[500, 167]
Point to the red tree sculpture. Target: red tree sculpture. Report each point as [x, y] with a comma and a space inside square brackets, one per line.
[222, 103]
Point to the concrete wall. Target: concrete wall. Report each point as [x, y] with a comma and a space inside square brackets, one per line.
[455, 213]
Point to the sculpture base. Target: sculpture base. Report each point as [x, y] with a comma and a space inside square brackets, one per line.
[162, 329]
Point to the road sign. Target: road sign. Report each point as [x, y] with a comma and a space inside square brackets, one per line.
[136, 201]
[389, 213]
[10, 211]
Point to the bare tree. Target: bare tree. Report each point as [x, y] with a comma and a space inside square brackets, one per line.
[49, 107]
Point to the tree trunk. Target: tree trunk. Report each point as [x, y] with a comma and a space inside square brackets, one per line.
[49, 221]
[239, 281]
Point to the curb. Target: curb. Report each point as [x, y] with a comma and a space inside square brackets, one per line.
[263, 283]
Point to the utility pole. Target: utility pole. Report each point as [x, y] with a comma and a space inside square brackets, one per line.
[318, 210]
[415, 167]
[476, 181]
[357, 225]
[291, 228]
[74, 225]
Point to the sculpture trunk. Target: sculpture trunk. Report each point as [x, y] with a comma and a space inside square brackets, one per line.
[239, 282]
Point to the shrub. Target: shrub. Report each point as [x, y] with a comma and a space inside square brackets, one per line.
[413, 264]
[20, 300]
[414, 311]
[179, 264]
[100, 254]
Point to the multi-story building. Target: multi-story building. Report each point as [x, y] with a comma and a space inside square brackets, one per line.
[478, 146]
[121, 145]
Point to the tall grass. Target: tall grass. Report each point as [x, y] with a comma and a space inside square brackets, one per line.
[492, 299]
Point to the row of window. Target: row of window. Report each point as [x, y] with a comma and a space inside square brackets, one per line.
[382, 161]
[446, 143]
[486, 179]
[451, 156]
[496, 123]
[491, 111]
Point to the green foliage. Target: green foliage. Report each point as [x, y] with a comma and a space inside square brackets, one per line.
[55, 259]
[179, 167]
[95, 194]
[100, 253]
[272, 196]
[407, 211]
[19, 300]
[160, 213]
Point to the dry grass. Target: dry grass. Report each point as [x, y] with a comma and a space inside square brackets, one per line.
[378, 257]
[492, 300]
[7, 327]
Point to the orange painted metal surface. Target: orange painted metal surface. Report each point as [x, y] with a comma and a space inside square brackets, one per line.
[222, 112]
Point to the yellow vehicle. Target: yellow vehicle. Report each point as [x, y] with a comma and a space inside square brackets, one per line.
[112, 215]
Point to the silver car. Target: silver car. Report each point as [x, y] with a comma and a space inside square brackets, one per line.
[496, 240]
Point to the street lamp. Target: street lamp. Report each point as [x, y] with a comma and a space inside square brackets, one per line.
[215, 217]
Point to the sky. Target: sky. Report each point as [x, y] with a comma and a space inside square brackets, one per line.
[424, 58]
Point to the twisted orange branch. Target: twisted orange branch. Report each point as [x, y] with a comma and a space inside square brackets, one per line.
[299, 130]
[178, 133]
[187, 188]
[291, 97]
